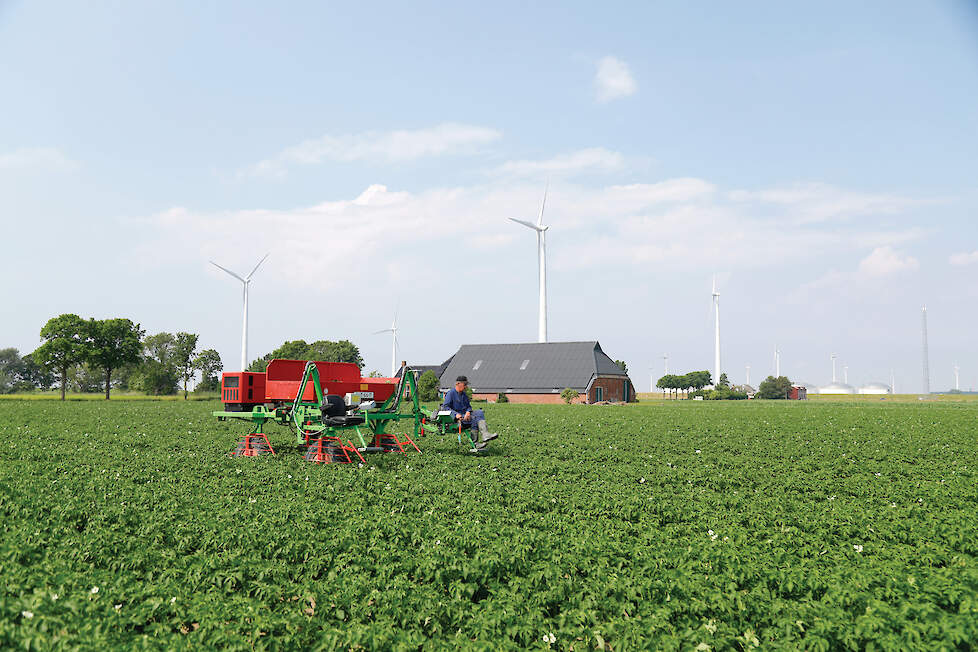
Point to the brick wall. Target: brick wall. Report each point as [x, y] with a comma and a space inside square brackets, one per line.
[613, 390]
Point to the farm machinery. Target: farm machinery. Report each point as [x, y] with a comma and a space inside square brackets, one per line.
[335, 415]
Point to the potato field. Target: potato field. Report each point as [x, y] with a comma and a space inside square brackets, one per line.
[676, 526]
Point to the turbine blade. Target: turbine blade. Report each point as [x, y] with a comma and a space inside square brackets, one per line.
[544, 205]
[258, 265]
[529, 225]
[386, 330]
[227, 270]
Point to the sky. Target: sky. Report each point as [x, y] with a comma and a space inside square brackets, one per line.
[819, 160]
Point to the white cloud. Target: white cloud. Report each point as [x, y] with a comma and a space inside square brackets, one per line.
[613, 80]
[819, 202]
[592, 159]
[671, 222]
[385, 147]
[885, 261]
[965, 258]
[49, 158]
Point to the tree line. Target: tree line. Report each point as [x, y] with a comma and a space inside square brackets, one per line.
[95, 354]
[322, 350]
[694, 380]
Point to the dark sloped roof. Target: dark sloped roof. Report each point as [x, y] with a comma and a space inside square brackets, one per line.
[533, 367]
[439, 369]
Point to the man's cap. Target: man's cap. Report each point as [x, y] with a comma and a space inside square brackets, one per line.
[461, 379]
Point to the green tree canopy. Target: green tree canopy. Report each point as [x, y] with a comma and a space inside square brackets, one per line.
[208, 363]
[158, 373]
[621, 363]
[112, 343]
[321, 350]
[428, 386]
[774, 388]
[64, 345]
[184, 353]
[724, 382]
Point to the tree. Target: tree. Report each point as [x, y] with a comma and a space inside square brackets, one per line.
[621, 363]
[112, 343]
[184, 350]
[428, 386]
[208, 363]
[157, 374]
[64, 345]
[32, 375]
[774, 388]
[569, 395]
[10, 365]
[321, 350]
[724, 382]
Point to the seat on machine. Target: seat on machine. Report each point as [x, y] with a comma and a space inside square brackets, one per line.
[334, 412]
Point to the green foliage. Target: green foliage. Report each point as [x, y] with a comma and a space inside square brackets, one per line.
[569, 395]
[208, 363]
[694, 380]
[722, 394]
[184, 356]
[502, 398]
[428, 386]
[774, 388]
[621, 363]
[724, 382]
[735, 525]
[111, 344]
[64, 345]
[324, 350]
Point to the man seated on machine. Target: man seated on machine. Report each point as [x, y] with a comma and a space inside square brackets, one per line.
[457, 402]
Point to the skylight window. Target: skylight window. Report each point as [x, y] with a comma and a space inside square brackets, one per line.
[523, 366]
[478, 363]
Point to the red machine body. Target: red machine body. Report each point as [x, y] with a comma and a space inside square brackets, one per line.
[243, 390]
[280, 382]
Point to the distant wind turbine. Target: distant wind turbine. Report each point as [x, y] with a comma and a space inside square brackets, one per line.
[245, 282]
[542, 260]
[748, 375]
[957, 378]
[716, 333]
[393, 331]
[833, 356]
[777, 361]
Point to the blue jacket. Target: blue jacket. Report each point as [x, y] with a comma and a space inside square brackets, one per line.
[457, 402]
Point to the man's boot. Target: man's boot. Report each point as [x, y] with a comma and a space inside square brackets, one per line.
[484, 434]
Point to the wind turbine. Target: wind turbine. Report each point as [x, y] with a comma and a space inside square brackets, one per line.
[748, 375]
[245, 282]
[957, 378]
[777, 361]
[665, 363]
[716, 333]
[845, 374]
[542, 260]
[393, 331]
[833, 356]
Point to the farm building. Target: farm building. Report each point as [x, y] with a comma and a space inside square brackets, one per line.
[538, 372]
[798, 393]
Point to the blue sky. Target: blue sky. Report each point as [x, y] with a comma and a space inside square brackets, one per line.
[821, 160]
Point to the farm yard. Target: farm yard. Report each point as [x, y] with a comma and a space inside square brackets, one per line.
[671, 525]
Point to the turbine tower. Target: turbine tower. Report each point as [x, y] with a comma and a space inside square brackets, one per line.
[393, 331]
[923, 332]
[748, 375]
[833, 356]
[542, 261]
[716, 333]
[892, 383]
[957, 377]
[777, 361]
[845, 374]
[245, 282]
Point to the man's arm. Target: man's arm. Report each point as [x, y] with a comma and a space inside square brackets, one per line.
[449, 403]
